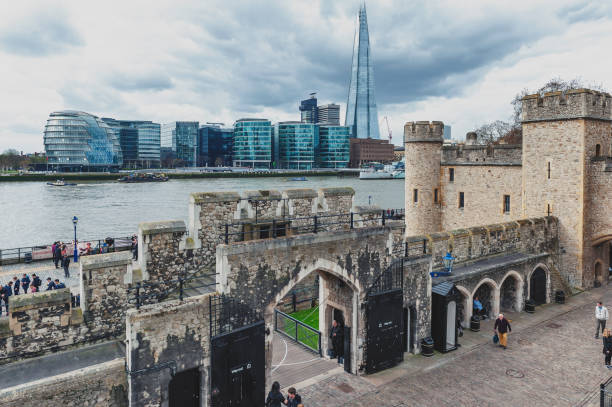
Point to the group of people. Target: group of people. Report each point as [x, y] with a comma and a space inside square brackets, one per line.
[61, 256]
[601, 317]
[277, 399]
[22, 285]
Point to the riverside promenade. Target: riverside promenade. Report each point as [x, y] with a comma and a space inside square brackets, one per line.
[552, 360]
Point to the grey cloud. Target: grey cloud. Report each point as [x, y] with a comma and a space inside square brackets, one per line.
[140, 82]
[40, 34]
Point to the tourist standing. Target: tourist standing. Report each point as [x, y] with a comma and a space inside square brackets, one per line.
[58, 284]
[337, 337]
[502, 326]
[3, 299]
[275, 397]
[36, 283]
[53, 252]
[50, 284]
[134, 248]
[66, 264]
[57, 254]
[25, 283]
[8, 291]
[293, 399]
[601, 315]
[607, 347]
[16, 285]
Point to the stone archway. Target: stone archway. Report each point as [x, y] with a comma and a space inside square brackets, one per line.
[511, 292]
[464, 306]
[598, 273]
[539, 284]
[487, 292]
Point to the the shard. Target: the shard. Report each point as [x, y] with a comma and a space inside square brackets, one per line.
[361, 113]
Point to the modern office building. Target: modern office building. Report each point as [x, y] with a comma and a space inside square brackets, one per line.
[296, 144]
[215, 146]
[361, 112]
[334, 146]
[447, 132]
[139, 140]
[329, 114]
[369, 150]
[253, 143]
[79, 141]
[308, 109]
[182, 139]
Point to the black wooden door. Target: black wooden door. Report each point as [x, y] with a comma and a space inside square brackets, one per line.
[537, 286]
[384, 330]
[238, 367]
[185, 389]
[347, 349]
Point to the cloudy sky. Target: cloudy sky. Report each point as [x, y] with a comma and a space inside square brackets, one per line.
[217, 60]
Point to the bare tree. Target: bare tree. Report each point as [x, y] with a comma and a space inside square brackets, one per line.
[489, 133]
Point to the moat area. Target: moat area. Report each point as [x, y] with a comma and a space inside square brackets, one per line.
[35, 213]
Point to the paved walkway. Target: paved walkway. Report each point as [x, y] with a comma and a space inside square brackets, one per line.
[552, 360]
[43, 269]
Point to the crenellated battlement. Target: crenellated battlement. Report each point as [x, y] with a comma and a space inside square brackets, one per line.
[573, 104]
[424, 131]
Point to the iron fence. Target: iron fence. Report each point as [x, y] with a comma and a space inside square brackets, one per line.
[156, 291]
[298, 331]
[43, 252]
[605, 393]
[391, 278]
[228, 314]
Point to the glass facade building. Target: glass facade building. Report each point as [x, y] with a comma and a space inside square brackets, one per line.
[297, 143]
[334, 147]
[80, 141]
[182, 138]
[308, 110]
[149, 134]
[139, 140]
[253, 143]
[216, 146]
[361, 112]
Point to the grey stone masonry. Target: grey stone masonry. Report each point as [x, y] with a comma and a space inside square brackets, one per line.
[573, 104]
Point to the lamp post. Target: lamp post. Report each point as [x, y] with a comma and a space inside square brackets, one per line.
[76, 253]
[448, 262]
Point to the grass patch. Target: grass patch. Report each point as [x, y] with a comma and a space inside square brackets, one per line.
[308, 316]
[305, 336]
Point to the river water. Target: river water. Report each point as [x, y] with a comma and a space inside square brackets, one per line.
[33, 213]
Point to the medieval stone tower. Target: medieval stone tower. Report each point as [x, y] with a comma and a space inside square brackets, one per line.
[423, 144]
[566, 150]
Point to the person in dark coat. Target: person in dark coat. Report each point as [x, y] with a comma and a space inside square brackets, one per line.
[337, 337]
[502, 326]
[57, 255]
[275, 397]
[3, 299]
[53, 246]
[58, 284]
[8, 291]
[25, 283]
[50, 284]
[293, 399]
[66, 264]
[16, 285]
[607, 347]
[36, 281]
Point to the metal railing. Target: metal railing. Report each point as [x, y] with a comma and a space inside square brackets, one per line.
[43, 252]
[392, 278]
[605, 393]
[280, 227]
[143, 293]
[298, 331]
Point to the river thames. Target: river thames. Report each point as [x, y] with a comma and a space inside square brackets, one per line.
[34, 213]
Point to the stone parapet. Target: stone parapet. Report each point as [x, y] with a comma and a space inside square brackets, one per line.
[304, 193]
[168, 226]
[212, 197]
[336, 191]
[40, 300]
[262, 195]
[105, 260]
[424, 131]
[573, 104]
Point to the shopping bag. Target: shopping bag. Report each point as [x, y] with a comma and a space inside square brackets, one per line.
[495, 338]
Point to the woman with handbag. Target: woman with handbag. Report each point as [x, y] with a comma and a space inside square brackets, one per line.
[607, 347]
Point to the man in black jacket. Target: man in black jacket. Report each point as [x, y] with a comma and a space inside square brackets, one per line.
[502, 326]
[337, 337]
[50, 284]
[36, 281]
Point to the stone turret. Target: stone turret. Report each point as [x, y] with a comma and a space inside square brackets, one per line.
[471, 138]
[423, 151]
[573, 104]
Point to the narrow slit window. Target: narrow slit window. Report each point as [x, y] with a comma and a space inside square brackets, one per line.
[461, 200]
[415, 195]
[506, 203]
[597, 150]
[436, 195]
[548, 211]
[451, 174]
[549, 170]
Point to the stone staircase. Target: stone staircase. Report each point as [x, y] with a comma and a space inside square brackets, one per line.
[198, 283]
[561, 283]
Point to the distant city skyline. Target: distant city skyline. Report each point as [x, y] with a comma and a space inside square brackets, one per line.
[433, 61]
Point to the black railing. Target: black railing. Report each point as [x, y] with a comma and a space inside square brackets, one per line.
[605, 393]
[391, 278]
[143, 293]
[298, 331]
[43, 252]
[228, 314]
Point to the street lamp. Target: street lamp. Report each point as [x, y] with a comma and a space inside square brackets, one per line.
[76, 253]
[448, 262]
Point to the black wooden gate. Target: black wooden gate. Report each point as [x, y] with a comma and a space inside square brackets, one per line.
[537, 286]
[238, 366]
[185, 389]
[384, 315]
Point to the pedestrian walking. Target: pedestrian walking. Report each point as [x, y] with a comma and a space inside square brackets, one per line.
[3, 299]
[53, 252]
[134, 247]
[66, 264]
[16, 285]
[57, 254]
[601, 315]
[25, 283]
[502, 327]
[36, 283]
[607, 347]
[293, 399]
[275, 397]
[8, 291]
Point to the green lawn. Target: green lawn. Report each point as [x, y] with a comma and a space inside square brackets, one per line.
[305, 336]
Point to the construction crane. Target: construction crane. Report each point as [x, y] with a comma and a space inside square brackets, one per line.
[388, 129]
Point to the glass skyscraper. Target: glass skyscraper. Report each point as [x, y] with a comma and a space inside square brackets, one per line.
[361, 112]
[140, 142]
[216, 145]
[182, 139]
[253, 143]
[80, 141]
[334, 146]
[297, 143]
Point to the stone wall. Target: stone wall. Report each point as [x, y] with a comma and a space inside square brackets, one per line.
[163, 337]
[104, 384]
[577, 103]
[500, 154]
[417, 294]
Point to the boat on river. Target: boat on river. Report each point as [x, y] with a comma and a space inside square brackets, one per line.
[60, 183]
[141, 177]
[298, 179]
[379, 171]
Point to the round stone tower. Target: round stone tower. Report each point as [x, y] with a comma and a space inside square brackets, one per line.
[423, 144]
